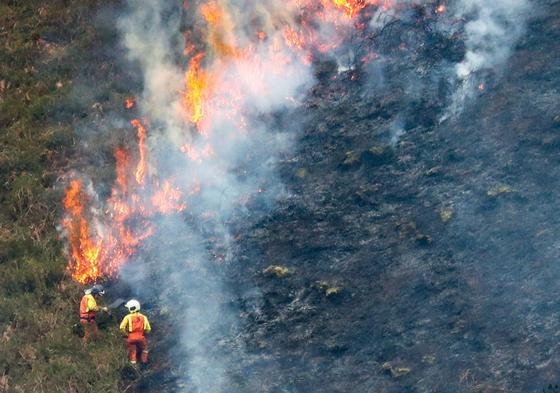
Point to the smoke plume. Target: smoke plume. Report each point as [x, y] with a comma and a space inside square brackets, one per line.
[491, 31]
[224, 160]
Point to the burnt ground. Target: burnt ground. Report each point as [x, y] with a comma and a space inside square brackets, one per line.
[442, 247]
[421, 262]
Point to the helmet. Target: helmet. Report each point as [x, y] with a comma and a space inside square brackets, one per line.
[133, 305]
[97, 290]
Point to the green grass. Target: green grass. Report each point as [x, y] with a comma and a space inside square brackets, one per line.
[44, 45]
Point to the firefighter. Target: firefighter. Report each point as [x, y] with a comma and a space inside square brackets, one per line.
[88, 310]
[133, 327]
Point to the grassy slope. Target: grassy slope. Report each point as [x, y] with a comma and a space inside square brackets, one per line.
[43, 45]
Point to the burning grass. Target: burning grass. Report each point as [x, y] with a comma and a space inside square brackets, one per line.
[101, 243]
[223, 72]
[226, 72]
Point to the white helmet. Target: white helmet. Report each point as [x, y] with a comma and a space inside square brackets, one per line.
[133, 305]
[95, 290]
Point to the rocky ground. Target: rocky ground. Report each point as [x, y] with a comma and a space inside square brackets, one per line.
[414, 252]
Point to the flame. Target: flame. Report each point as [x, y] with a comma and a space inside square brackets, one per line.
[198, 89]
[220, 36]
[294, 39]
[168, 199]
[84, 249]
[99, 243]
[369, 57]
[71, 200]
[350, 7]
[440, 9]
[141, 167]
[121, 158]
[212, 76]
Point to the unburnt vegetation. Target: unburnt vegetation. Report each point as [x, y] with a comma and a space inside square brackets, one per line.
[49, 52]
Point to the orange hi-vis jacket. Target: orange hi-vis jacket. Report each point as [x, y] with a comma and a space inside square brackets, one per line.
[134, 325]
[88, 307]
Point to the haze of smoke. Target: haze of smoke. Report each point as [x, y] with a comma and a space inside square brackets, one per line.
[396, 131]
[242, 166]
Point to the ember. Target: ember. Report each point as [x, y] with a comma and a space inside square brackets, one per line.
[129, 103]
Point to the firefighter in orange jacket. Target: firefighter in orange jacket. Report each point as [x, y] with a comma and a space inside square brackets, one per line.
[88, 311]
[133, 326]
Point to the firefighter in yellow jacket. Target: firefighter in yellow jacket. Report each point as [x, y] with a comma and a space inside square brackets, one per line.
[134, 326]
[88, 311]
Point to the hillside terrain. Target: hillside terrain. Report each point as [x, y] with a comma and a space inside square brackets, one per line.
[412, 249]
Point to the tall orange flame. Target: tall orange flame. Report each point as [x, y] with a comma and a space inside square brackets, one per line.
[198, 87]
[84, 249]
[141, 168]
[99, 250]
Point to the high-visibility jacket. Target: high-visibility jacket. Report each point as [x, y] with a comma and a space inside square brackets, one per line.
[88, 307]
[134, 325]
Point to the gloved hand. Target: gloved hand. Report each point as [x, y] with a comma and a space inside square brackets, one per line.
[105, 309]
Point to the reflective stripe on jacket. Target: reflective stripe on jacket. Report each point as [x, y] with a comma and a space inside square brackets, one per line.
[134, 325]
[88, 307]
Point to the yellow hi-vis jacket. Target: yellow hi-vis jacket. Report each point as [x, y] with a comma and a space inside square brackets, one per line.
[88, 306]
[135, 324]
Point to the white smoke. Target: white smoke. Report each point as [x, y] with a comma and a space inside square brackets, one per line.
[488, 29]
[491, 31]
[396, 131]
[149, 40]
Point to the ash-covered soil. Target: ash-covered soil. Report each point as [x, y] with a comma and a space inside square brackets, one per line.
[414, 251]
[425, 262]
